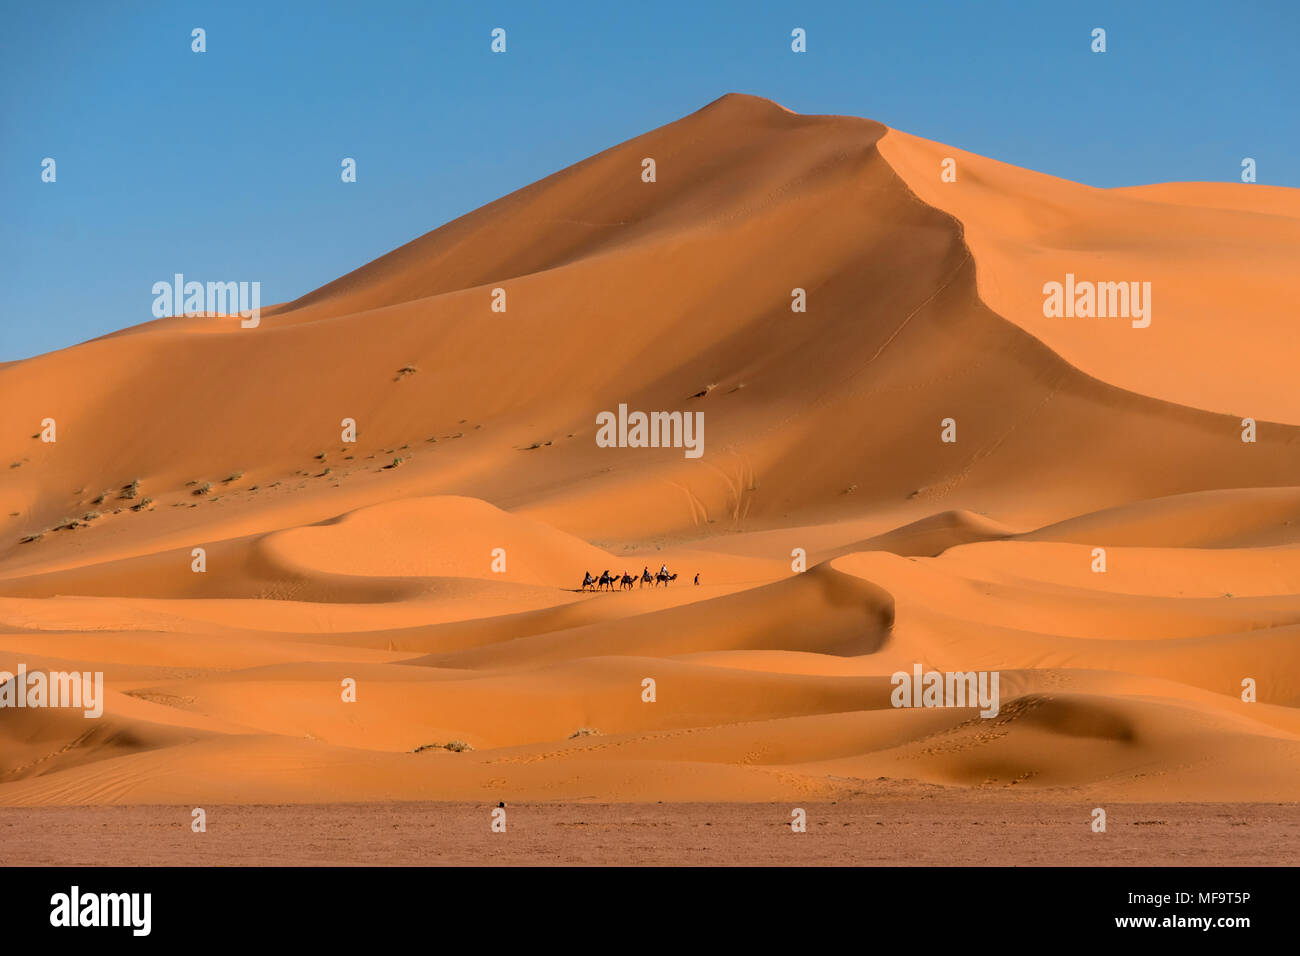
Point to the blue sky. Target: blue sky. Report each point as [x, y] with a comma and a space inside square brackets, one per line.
[225, 165]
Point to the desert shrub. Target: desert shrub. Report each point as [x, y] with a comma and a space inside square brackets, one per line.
[455, 746]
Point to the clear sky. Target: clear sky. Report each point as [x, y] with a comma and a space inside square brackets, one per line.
[225, 165]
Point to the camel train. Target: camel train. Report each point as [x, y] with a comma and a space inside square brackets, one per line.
[626, 581]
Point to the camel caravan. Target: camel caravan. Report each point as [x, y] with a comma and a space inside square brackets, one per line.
[625, 581]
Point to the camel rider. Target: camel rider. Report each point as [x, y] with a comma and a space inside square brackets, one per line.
[663, 569]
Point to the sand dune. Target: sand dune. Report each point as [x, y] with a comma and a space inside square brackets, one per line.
[1222, 314]
[435, 562]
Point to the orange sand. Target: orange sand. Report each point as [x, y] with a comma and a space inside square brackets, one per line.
[822, 433]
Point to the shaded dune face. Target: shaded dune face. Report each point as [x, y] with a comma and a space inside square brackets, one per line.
[436, 561]
[1222, 331]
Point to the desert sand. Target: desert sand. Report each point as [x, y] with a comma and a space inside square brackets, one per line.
[921, 828]
[475, 431]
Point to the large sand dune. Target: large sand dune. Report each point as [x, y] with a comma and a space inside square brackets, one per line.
[381, 560]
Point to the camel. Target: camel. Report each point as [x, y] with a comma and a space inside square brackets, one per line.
[645, 578]
[606, 581]
[665, 578]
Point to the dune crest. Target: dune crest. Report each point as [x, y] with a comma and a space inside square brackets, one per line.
[1224, 326]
